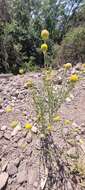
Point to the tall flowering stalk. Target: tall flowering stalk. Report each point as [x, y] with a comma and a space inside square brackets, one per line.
[47, 100]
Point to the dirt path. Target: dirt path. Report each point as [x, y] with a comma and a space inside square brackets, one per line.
[19, 154]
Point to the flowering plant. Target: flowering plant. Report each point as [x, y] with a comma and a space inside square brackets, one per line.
[47, 100]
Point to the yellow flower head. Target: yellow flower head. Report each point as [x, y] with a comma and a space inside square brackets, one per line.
[73, 78]
[44, 48]
[67, 122]
[21, 71]
[81, 141]
[14, 123]
[8, 109]
[28, 126]
[57, 118]
[49, 128]
[83, 65]
[67, 66]
[29, 84]
[44, 34]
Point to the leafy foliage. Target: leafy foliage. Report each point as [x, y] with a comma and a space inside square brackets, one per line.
[73, 47]
[22, 22]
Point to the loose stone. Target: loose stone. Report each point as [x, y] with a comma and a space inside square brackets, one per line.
[3, 179]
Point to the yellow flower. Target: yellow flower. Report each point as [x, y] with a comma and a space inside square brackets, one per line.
[14, 123]
[44, 48]
[8, 109]
[49, 128]
[76, 130]
[24, 113]
[21, 71]
[81, 141]
[83, 65]
[57, 118]
[67, 66]
[28, 126]
[44, 34]
[73, 78]
[67, 122]
[29, 84]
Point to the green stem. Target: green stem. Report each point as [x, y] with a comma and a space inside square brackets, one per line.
[44, 61]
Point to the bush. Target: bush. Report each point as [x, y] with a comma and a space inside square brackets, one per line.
[72, 48]
[9, 56]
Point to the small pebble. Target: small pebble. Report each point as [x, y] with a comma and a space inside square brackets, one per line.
[34, 129]
[3, 128]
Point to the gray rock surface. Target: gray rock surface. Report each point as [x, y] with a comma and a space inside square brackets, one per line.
[12, 169]
[22, 177]
[20, 150]
[3, 179]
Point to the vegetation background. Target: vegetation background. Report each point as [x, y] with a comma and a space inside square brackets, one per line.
[21, 22]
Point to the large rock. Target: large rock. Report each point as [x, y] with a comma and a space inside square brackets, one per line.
[16, 129]
[1, 134]
[3, 127]
[3, 179]
[7, 135]
[78, 66]
[22, 177]
[12, 169]
[4, 164]
[34, 129]
[29, 137]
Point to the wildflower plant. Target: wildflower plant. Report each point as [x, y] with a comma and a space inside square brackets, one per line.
[47, 100]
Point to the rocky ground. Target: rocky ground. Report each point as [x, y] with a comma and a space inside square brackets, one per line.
[20, 149]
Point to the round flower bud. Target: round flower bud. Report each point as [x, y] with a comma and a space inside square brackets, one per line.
[44, 34]
[67, 66]
[44, 48]
[21, 71]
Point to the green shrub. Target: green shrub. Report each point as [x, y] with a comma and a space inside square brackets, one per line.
[30, 65]
[72, 48]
